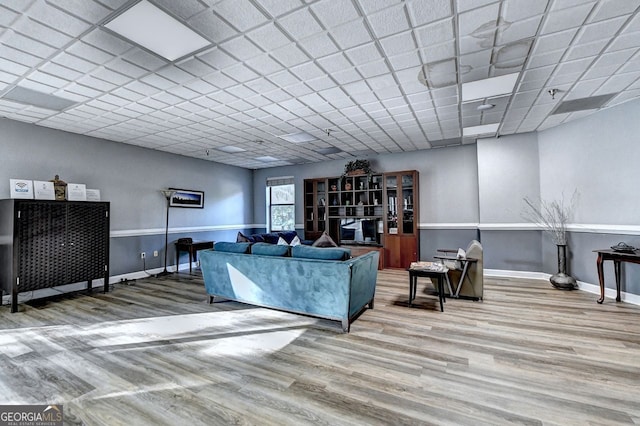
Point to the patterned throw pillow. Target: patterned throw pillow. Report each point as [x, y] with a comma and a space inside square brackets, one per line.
[241, 238]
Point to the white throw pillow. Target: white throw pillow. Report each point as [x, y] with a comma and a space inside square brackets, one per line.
[282, 242]
[295, 241]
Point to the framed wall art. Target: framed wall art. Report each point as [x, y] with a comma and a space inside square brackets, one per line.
[187, 198]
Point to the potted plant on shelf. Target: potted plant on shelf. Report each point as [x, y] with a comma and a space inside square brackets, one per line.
[553, 218]
[357, 167]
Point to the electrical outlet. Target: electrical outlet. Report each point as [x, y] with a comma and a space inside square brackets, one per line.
[155, 253]
[142, 255]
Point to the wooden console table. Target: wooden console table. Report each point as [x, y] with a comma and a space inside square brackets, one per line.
[360, 249]
[192, 248]
[616, 257]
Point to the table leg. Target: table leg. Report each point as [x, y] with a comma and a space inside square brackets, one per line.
[600, 277]
[616, 270]
[190, 260]
[441, 292]
[177, 259]
[411, 278]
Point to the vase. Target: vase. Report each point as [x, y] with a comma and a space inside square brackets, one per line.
[561, 280]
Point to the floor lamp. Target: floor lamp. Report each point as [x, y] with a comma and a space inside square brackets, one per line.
[167, 194]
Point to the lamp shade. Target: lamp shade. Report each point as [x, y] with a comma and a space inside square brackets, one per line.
[167, 193]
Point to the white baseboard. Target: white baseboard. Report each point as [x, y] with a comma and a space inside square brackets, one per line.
[634, 299]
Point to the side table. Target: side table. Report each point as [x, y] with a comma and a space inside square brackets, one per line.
[440, 274]
[192, 248]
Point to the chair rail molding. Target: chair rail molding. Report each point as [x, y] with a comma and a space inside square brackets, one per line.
[588, 228]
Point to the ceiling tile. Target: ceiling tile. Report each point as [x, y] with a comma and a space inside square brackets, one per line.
[290, 55]
[422, 12]
[103, 40]
[26, 44]
[276, 8]
[319, 45]
[242, 14]
[38, 31]
[300, 24]
[561, 20]
[332, 13]
[602, 30]
[389, 21]
[435, 33]
[211, 26]
[268, 37]
[606, 9]
[184, 9]
[398, 43]
[52, 17]
[351, 34]
[241, 48]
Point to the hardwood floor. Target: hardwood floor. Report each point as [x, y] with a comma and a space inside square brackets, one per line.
[155, 352]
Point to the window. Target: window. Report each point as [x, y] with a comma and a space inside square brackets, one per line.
[281, 193]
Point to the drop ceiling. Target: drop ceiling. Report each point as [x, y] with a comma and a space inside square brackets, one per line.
[360, 76]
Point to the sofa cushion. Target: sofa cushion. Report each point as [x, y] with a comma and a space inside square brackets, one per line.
[266, 249]
[324, 241]
[241, 238]
[288, 235]
[232, 247]
[321, 253]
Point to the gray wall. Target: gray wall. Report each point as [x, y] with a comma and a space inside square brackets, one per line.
[131, 178]
[598, 156]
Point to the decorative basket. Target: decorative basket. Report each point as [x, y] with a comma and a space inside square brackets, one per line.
[356, 172]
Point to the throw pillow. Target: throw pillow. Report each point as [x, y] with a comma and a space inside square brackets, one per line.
[295, 242]
[282, 242]
[271, 238]
[324, 241]
[241, 238]
[288, 235]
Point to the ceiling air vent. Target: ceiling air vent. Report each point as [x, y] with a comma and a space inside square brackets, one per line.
[583, 104]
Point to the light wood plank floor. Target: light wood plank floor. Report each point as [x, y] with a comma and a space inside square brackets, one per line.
[154, 352]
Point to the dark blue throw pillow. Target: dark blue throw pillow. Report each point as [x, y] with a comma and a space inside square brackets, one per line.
[288, 236]
[258, 238]
[271, 238]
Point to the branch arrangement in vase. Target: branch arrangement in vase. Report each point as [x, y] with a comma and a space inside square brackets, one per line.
[551, 216]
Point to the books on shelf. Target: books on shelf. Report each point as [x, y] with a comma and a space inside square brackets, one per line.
[428, 266]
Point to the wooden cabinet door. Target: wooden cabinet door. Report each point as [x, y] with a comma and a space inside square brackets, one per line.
[401, 224]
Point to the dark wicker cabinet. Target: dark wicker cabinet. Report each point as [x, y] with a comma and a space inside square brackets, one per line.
[51, 243]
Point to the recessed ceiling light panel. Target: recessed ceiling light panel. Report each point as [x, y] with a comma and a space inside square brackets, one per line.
[230, 149]
[267, 159]
[153, 29]
[299, 137]
[489, 87]
[483, 129]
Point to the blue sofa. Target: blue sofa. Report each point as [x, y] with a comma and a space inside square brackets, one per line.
[299, 279]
